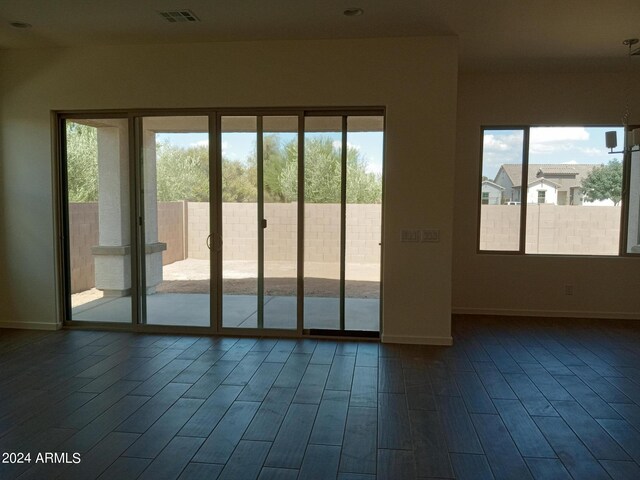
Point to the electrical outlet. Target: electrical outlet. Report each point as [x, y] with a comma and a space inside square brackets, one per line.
[430, 235]
[410, 235]
[568, 289]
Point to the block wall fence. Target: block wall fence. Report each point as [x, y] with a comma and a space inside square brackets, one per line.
[184, 227]
[83, 234]
[552, 229]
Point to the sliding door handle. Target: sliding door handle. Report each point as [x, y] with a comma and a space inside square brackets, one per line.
[217, 247]
[264, 223]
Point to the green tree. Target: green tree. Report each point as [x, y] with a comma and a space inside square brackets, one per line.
[362, 186]
[182, 173]
[239, 181]
[82, 163]
[276, 157]
[604, 183]
[323, 174]
[322, 171]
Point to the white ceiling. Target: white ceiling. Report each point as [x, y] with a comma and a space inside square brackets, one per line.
[511, 35]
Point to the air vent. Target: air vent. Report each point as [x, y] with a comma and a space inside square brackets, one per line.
[180, 16]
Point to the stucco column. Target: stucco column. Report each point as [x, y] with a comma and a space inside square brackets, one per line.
[153, 248]
[113, 254]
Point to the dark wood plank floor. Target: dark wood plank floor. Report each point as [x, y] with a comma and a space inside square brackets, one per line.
[513, 398]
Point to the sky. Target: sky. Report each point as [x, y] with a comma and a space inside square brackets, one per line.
[568, 145]
[239, 146]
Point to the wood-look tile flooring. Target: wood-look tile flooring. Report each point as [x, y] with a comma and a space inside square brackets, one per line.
[513, 398]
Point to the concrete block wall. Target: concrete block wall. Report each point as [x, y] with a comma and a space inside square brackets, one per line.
[83, 234]
[322, 232]
[240, 236]
[84, 227]
[553, 229]
[239, 232]
[281, 234]
[499, 227]
[364, 233]
[171, 230]
[198, 230]
[573, 229]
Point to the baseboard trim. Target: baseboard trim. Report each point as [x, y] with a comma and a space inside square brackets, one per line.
[31, 325]
[547, 313]
[417, 340]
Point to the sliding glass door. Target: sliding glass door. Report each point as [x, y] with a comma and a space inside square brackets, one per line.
[343, 223]
[96, 180]
[175, 200]
[323, 182]
[363, 222]
[248, 222]
[259, 185]
[301, 258]
[239, 206]
[280, 221]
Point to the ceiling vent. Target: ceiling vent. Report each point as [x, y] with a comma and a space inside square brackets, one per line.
[179, 16]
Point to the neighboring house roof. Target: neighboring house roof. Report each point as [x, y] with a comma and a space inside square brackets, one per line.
[560, 170]
[565, 175]
[492, 184]
[544, 180]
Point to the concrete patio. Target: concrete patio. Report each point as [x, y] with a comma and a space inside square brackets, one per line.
[239, 311]
[183, 299]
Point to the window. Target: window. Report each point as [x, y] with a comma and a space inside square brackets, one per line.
[502, 153]
[561, 192]
[633, 215]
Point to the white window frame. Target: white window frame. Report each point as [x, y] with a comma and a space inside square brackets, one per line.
[623, 249]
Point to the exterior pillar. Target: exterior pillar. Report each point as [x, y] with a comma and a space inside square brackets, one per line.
[113, 254]
[153, 248]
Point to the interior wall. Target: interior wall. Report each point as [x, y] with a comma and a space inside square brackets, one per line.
[4, 271]
[604, 287]
[415, 78]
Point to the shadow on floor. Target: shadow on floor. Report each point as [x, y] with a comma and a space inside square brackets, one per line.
[313, 287]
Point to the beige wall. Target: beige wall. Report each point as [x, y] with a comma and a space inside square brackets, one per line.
[240, 238]
[171, 230]
[198, 230]
[552, 229]
[83, 234]
[322, 232]
[605, 287]
[414, 78]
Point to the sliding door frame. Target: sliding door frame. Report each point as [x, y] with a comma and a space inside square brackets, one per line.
[344, 115]
[61, 207]
[259, 114]
[136, 191]
[140, 245]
